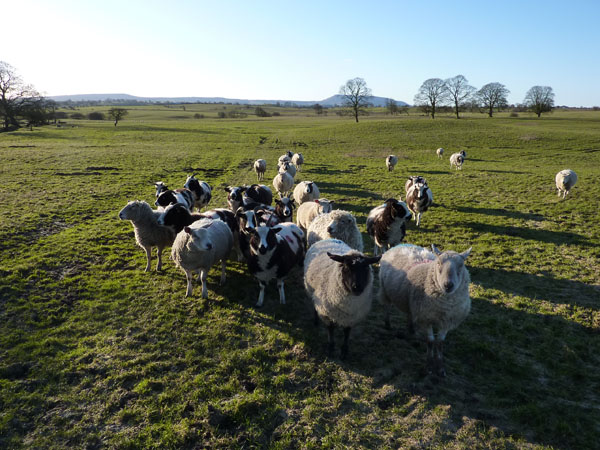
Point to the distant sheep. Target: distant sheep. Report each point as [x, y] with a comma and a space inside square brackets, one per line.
[439, 152]
[283, 184]
[148, 232]
[456, 160]
[298, 160]
[287, 156]
[565, 180]
[306, 191]
[391, 162]
[337, 224]
[309, 210]
[198, 247]
[260, 167]
[386, 224]
[432, 288]
[339, 281]
[418, 196]
[287, 166]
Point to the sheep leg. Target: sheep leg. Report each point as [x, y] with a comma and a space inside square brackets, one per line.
[223, 275]
[316, 317]
[431, 364]
[188, 276]
[418, 217]
[330, 345]
[439, 357]
[148, 251]
[261, 294]
[345, 344]
[204, 283]
[281, 292]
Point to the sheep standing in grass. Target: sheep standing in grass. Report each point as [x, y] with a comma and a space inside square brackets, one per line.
[198, 247]
[463, 153]
[386, 224]
[287, 156]
[418, 196]
[341, 291]
[298, 160]
[309, 210]
[148, 232]
[391, 162]
[565, 180]
[337, 224]
[456, 160]
[260, 167]
[431, 288]
[283, 183]
[439, 152]
[306, 191]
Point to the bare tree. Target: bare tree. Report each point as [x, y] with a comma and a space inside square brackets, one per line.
[493, 95]
[540, 99]
[432, 94]
[391, 106]
[16, 97]
[356, 94]
[117, 114]
[459, 91]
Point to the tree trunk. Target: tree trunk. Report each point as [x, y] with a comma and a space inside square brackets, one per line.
[491, 111]
[456, 105]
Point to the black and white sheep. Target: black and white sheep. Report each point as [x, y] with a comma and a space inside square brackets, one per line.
[565, 180]
[201, 189]
[386, 224]
[260, 167]
[274, 251]
[309, 210]
[390, 162]
[284, 209]
[166, 197]
[431, 288]
[337, 224]
[199, 247]
[306, 191]
[148, 232]
[456, 160]
[283, 183]
[418, 196]
[341, 291]
[439, 152]
[248, 196]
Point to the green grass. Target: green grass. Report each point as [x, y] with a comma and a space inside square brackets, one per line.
[96, 353]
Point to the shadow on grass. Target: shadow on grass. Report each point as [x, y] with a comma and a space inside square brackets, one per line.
[500, 212]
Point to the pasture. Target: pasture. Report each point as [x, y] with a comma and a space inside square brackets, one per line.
[96, 353]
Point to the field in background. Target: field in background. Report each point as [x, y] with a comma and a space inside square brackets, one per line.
[94, 352]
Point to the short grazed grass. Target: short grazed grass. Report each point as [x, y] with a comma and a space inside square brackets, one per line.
[96, 353]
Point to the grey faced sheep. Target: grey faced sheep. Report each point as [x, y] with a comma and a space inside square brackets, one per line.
[431, 288]
[386, 224]
[260, 167]
[439, 152]
[283, 183]
[391, 162]
[565, 180]
[198, 247]
[306, 191]
[309, 210]
[456, 160]
[298, 160]
[339, 282]
[148, 232]
[337, 224]
[287, 166]
[418, 196]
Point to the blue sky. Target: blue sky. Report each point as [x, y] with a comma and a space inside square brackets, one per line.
[302, 50]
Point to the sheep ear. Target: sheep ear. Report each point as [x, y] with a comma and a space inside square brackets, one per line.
[372, 260]
[435, 250]
[188, 230]
[227, 189]
[466, 253]
[338, 258]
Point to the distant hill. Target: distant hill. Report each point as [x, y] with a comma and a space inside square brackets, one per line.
[334, 100]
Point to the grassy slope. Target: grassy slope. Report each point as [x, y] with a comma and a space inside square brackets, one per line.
[94, 352]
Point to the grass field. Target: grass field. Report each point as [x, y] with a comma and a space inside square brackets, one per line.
[95, 353]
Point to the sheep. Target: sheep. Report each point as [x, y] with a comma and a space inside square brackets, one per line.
[298, 160]
[248, 196]
[306, 191]
[260, 167]
[287, 156]
[283, 183]
[166, 197]
[386, 224]
[198, 247]
[565, 180]
[439, 152]
[160, 188]
[463, 153]
[309, 210]
[259, 193]
[284, 209]
[148, 232]
[341, 292]
[418, 196]
[456, 160]
[287, 166]
[337, 224]
[391, 162]
[431, 288]
[201, 190]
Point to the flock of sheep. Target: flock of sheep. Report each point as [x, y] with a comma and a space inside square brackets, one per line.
[429, 286]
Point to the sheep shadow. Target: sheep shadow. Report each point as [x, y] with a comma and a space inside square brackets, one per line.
[500, 212]
[327, 170]
[346, 190]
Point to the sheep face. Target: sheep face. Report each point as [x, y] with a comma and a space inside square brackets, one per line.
[326, 206]
[356, 271]
[449, 271]
[263, 239]
[235, 196]
[200, 238]
[160, 188]
[398, 209]
[285, 207]
[339, 224]
[246, 220]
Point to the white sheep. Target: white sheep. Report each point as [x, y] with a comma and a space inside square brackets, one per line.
[298, 160]
[565, 180]
[341, 291]
[148, 232]
[287, 156]
[260, 167]
[287, 166]
[391, 162]
[432, 288]
[463, 153]
[309, 210]
[456, 160]
[439, 152]
[198, 247]
[337, 224]
[306, 191]
[283, 183]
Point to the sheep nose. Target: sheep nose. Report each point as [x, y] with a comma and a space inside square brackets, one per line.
[448, 286]
[329, 230]
[262, 249]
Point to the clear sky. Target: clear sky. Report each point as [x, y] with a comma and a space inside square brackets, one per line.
[302, 50]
